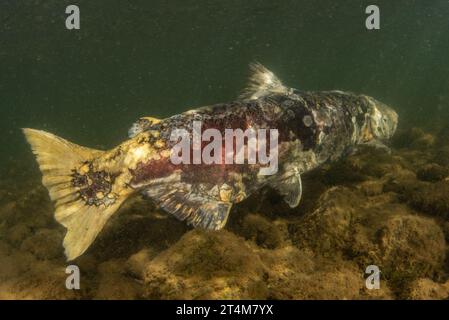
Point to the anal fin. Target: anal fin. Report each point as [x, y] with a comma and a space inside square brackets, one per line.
[198, 210]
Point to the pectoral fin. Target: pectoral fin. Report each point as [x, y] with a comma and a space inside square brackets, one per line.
[290, 186]
[198, 210]
[142, 125]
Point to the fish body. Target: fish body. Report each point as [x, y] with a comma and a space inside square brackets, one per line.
[311, 128]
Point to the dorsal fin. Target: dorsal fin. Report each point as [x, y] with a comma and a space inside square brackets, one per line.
[262, 82]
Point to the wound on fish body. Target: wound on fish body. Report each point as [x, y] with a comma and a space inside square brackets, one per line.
[89, 185]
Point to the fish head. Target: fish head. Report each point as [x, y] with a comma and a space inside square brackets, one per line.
[381, 121]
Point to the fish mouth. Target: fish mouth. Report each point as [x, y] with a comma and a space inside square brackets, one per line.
[389, 122]
[383, 120]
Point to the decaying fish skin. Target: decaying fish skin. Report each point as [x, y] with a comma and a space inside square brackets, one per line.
[88, 185]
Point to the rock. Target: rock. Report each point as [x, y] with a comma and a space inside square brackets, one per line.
[432, 172]
[327, 229]
[379, 231]
[383, 293]
[88, 264]
[379, 163]
[265, 233]
[44, 244]
[424, 142]
[345, 171]
[18, 233]
[7, 210]
[445, 227]
[431, 198]
[371, 187]
[207, 265]
[5, 249]
[400, 181]
[298, 274]
[137, 263]
[36, 279]
[411, 247]
[412, 243]
[420, 139]
[414, 138]
[441, 156]
[113, 284]
[220, 265]
[15, 264]
[426, 289]
[127, 232]
[443, 136]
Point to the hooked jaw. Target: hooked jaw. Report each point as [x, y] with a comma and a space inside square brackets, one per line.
[380, 122]
[384, 121]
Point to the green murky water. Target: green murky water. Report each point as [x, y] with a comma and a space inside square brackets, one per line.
[158, 58]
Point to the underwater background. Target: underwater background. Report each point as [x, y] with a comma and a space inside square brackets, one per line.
[159, 58]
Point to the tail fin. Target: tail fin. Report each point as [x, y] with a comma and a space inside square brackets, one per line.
[262, 82]
[57, 160]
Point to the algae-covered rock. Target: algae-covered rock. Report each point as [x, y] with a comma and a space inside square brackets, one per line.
[220, 265]
[426, 289]
[400, 181]
[327, 230]
[265, 233]
[376, 230]
[207, 265]
[432, 172]
[431, 198]
[414, 138]
[22, 276]
[5, 249]
[135, 227]
[425, 141]
[137, 263]
[299, 274]
[7, 211]
[441, 156]
[17, 233]
[345, 171]
[445, 227]
[44, 244]
[113, 284]
[412, 244]
[372, 187]
[443, 136]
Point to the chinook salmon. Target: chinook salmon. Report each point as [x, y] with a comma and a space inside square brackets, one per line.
[312, 128]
